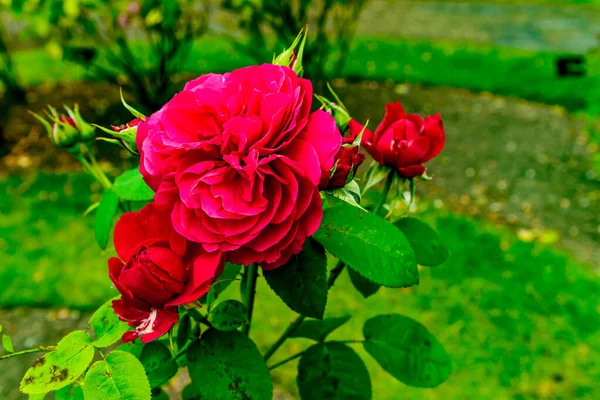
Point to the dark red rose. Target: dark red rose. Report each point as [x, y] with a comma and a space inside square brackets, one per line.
[403, 141]
[347, 161]
[157, 270]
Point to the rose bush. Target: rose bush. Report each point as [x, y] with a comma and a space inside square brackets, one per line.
[156, 271]
[236, 169]
[403, 141]
[239, 158]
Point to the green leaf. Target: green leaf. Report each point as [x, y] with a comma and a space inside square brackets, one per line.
[120, 377]
[318, 330]
[7, 343]
[107, 326]
[60, 367]
[69, 393]
[104, 217]
[302, 282]
[131, 186]
[228, 366]
[184, 329]
[38, 397]
[406, 350]
[428, 246]
[362, 284]
[371, 246]
[132, 110]
[333, 371]
[190, 393]
[159, 363]
[229, 315]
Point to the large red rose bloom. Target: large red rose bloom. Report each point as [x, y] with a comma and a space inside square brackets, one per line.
[238, 158]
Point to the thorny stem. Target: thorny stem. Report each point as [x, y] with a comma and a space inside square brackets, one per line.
[38, 349]
[335, 273]
[249, 293]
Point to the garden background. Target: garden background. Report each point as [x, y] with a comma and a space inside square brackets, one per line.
[515, 194]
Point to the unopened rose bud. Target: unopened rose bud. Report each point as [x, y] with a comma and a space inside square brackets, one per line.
[347, 161]
[86, 131]
[125, 135]
[63, 133]
[292, 57]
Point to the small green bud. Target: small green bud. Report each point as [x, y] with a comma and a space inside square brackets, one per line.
[291, 57]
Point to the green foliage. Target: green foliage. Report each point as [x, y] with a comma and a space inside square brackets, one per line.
[107, 327]
[406, 350]
[104, 217]
[184, 330]
[229, 315]
[228, 366]
[60, 367]
[302, 282]
[333, 371]
[121, 376]
[159, 364]
[319, 330]
[369, 245]
[429, 248]
[362, 284]
[332, 26]
[130, 186]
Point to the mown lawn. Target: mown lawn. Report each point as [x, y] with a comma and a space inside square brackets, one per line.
[476, 66]
[519, 320]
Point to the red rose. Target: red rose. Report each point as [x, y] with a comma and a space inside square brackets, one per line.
[404, 141]
[347, 161]
[157, 270]
[238, 158]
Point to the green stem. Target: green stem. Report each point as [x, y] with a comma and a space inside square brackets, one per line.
[386, 189]
[183, 349]
[199, 317]
[38, 349]
[290, 329]
[249, 293]
[335, 273]
[106, 183]
[286, 360]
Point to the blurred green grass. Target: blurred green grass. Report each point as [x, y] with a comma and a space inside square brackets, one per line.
[475, 66]
[519, 320]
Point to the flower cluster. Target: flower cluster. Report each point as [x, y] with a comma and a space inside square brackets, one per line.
[236, 162]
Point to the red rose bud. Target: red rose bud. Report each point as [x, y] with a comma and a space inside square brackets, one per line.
[123, 135]
[347, 161]
[86, 131]
[403, 141]
[157, 270]
[121, 128]
[62, 130]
